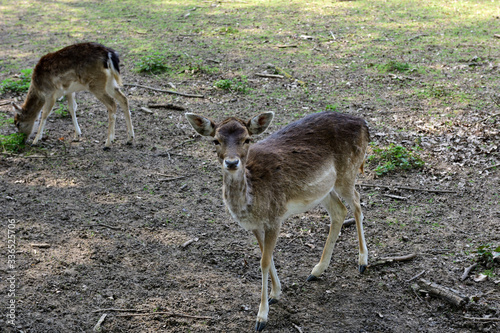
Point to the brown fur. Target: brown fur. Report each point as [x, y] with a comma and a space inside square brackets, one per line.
[311, 161]
[85, 66]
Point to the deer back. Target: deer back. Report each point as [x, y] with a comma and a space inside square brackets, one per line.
[79, 63]
[305, 160]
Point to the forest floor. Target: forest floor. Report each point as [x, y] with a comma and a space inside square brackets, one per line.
[140, 232]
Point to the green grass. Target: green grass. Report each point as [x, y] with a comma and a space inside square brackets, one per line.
[394, 66]
[238, 85]
[12, 143]
[19, 85]
[154, 63]
[5, 120]
[394, 158]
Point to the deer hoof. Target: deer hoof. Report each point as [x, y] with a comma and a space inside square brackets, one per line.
[312, 278]
[272, 301]
[259, 326]
[106, 148]
[362, 268]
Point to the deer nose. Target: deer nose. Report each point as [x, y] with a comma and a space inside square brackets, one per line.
[231, 164]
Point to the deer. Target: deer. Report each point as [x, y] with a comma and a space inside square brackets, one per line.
[312, 161]
[80, 67]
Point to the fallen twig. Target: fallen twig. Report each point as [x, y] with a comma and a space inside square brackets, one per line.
[142, 108]
[102, 225]
[447, 294]
[40, 245]
[467, 271]
[481, 319]
[286, 46]
[97, 327]
[186, 244]
[491, 166]
[496, 35]
[173, 314]
[407, 188]
[5, 103]
[287, 75]
[400, 77]
[417, 36]
[164, 91]
[416, 276]
[388, 260]
[117, 310]
[348, 222]
[297, 328]
[395, 197]
[274, 76]
[167, 106]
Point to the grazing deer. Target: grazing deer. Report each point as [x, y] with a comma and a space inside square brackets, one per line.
[312, 161]
[87, 66]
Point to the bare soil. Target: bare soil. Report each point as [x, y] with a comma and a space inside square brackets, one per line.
[143, 228]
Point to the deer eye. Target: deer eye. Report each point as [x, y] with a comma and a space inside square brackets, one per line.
[216, 142]
[247, 141]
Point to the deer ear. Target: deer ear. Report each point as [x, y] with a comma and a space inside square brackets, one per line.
[260, 123]
[202, 125]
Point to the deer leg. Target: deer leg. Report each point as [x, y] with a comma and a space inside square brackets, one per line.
[275, 282]
[47, 108]
[358, 216]
[72, 110]
[110, 104]
[123, 102]
[337, 212]
[266, 262]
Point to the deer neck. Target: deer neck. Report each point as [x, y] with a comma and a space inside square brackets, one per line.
[33, 104]
[237, 194]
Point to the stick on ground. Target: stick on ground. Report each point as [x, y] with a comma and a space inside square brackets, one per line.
[142, 108]
[348, 223]
[467, 272]
[41, 245]
[173, 314]
[273, 76]
[406, 188]
[164, 91]
[449, 295]
[167, 106]
[388, 260]
[97, 327]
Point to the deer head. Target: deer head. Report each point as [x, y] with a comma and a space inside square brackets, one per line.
[232, 136]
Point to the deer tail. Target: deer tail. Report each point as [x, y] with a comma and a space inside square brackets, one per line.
[114, 66]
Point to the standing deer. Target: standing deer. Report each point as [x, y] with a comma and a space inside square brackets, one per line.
[312, 161]
[87, 66]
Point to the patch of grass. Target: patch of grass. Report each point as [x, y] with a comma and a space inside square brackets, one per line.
[12, 143]
[226, 30]
[394, 66]
[239, 85]
[393, 158]
[17, 85]
[5, 120]
[332, 107]
[62, 110]
[154, 63]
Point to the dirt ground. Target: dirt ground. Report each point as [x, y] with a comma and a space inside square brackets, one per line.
[140, 232]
